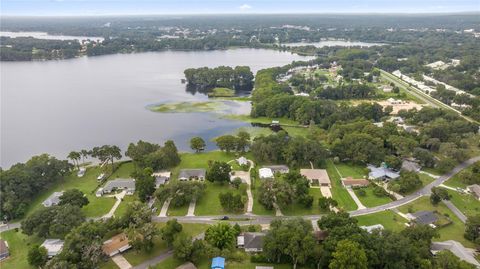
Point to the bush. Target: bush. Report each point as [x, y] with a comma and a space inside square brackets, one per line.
[258, 258]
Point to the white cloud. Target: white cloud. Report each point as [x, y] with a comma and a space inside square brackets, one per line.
[245, 7]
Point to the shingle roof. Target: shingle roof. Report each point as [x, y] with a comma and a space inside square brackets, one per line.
[425, 217]
[3, 247]
[189, 173]
[475, 188]
[316, 174]
[53, 199]
[120, 183]
[277, 168]
[187, 265]
[457, 249]
[118, 243]
[381, 172]
[253, 240]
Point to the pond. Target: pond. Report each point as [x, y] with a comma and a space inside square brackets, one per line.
[59, 106]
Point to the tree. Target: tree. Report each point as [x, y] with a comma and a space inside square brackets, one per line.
[236, 182]
[408, 181]
[231, 202]
[226, 143]
[197, 144]
[142, 238]
[243, 141]
[438, 194]
[85, 153]
[184, 248]
[136, 215]
[347, 255]
[144, 183]
[326, 203]
[446, 260]
[75, 157]
[219, 172]
[170, 230]
[37, 256]
[472, 228]
[73, 197]
[221, 236]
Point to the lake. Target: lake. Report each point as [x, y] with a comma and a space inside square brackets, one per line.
[44, 35]
[334, 43]
[58, 106]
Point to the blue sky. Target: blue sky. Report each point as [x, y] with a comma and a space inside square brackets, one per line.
[114, 7]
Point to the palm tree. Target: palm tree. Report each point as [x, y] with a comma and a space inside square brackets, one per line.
[85, 153]
[75, 157]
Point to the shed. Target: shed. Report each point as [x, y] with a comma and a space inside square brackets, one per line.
[218, 263]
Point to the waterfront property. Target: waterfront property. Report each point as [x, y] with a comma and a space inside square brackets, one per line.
[192, 174]
[317, 176]
[53, 247]
[281, 169]
[161, 178]
[53, 199]
[127, 184]
[117, 244]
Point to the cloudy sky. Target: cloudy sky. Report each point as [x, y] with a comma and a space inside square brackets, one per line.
[114, 7]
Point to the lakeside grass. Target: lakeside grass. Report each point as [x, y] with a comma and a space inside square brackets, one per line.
[339, 193]
[453, 231]
[221, 92]
[388, 219]
[189, 107]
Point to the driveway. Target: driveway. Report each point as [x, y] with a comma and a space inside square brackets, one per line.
[326, 192]
[355, 198]
[455, 211]
[121, 262]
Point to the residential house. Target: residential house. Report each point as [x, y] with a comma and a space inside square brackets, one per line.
[457, 249]
[127, 184]
[187, 265]
[265, 173]
[282, 169]
[117, 244]
[192, 174]
[382, 173]
[161, 178]
[425, 217]
[372, 228]
[350, 182]
[53, 246]
[251, 242]
[53, 199]
[218, 263]
[317, 175]
[242, 161]
[4, 252]
[475, 190]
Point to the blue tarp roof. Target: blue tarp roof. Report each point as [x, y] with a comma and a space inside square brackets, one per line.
[218, 262]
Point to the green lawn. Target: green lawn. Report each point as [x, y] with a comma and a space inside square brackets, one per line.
[468, 204]
[340, 194]
[176, 211]
[388, 219]
[172, 263]
[351, 170]
[453, 231]
[258, 208]
[426, 179]
[19, 244]
[221, 92]
[456, 181]
[298, 210]
[123, 205]
[370, 199]
[209, 203]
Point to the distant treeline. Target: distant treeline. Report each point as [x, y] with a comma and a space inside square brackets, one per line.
[204, 79]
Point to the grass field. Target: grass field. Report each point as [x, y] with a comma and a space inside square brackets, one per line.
[221, 92]
[468, 204]
[124, 204]
[189, 107]
[258, 208]
[19, 244]
[351, 170]
[456, 181]
[298, 210]
[453, 231]
[340, 194]
[370, 199]
[388, 219]
[209, 203]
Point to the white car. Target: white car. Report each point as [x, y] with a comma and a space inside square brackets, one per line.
[81, 171]
[101, 176]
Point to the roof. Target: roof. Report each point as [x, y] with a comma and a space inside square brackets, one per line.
[120, 183]
[53, 199]
[382, 172]
[372, 227]
[53, 246]
[316, 174]
[187, 265]
[265, 173]
[3, 247]
[475, 188]
[160, 180]
[118, 243]
[457, 249]
[277, 168]
[242, 161]
[189, 173]
[162, 174]
[410, 166]
[218, 262]
[355, 182]
[425, 217]
[253, 240]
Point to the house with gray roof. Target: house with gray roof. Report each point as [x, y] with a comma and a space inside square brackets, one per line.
[457, 249]
[282, 169]
[53, 246]
[161, 178]
[425, 217]
[53, 199]
[251, 242]
[382, 173]
[475, 190]
[127, 184]
[192, 174]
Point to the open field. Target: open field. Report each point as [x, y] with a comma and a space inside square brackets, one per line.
[454, 231]
[209, 204]
[19, 244]
[388, 219]
[258, 208]
[172, 263]
[351, 170]
[297, 209]
[466, 203]
[370, 199]
[189, 107]
[340, 194]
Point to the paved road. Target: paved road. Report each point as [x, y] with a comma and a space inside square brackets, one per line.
[455, 211]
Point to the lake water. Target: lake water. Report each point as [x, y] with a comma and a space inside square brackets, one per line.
[333, 43]
[43, 35]
[58, 106]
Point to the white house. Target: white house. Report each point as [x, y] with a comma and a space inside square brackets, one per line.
[242, 161]
[265, 173]
[53, 246]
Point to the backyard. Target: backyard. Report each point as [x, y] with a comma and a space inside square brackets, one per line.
[340, 194]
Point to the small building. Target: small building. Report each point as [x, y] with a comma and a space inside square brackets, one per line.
[372, 228]
[4, 252]
[187, 265]
[192, 174]
[117, 244]
[457, 249]
[99, 192]
[350, 182]
[127, 184]
[475, 190]
[265, 173]
[242, 161]
[53, 199]
[281, 168]
[251, 242]
[53, 247]
[159, 181]
[218, 263]
[382, 173]
[425, 217]
[317, 175]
